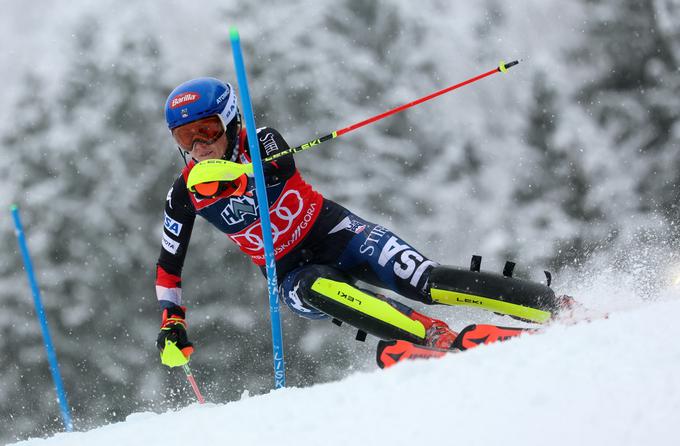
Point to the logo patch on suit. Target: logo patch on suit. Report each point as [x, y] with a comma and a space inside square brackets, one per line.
[173, 226]
[169, 244]
[269, 144]
[350, 224]
[238, 208]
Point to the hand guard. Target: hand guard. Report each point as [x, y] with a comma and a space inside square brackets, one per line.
[172, 340]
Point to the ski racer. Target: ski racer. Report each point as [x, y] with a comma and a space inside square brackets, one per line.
[321, 248]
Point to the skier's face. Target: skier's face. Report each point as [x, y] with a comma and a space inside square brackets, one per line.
[203, 139]
[202, 151]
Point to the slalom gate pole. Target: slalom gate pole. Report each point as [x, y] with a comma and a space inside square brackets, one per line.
[42, 318]
[192, 381]
[263, 210]
[501, 68]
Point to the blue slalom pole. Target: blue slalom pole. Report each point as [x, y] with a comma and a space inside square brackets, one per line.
[263, 206]
[51, 354]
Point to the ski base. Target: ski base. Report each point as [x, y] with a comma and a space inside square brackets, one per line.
[392, 352]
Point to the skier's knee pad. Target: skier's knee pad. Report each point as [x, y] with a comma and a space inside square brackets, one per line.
[296, 288]
[523, 299]
[318, 292]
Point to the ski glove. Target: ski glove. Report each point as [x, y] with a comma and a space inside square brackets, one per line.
[172, 340]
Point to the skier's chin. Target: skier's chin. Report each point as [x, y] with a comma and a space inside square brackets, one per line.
[212, 155]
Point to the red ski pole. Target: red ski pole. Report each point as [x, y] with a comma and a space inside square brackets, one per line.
[501, 68]
[192, 381]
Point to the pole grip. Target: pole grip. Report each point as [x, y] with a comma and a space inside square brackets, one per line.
[42, 318]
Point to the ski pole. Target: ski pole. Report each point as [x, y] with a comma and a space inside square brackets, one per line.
[501, 68]
[209, 171]
[192, 381]
[40, 310]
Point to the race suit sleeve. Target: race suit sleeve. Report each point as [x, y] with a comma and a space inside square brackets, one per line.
[178, 223]
[271, 143]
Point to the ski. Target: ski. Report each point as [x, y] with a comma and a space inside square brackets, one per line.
[478, 334]
[392, 352]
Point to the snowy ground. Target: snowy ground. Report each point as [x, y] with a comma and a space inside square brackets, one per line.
[611, 381]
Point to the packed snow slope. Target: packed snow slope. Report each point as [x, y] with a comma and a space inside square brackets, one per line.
[613, 381]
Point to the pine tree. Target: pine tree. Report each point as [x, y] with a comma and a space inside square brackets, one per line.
[78, 166]
[552, 191]
[636, 94]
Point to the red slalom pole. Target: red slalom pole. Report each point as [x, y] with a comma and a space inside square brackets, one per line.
[501, 68]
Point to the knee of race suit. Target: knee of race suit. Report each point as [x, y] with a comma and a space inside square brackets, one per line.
[297, 284]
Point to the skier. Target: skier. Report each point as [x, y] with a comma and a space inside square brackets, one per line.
[321, 248]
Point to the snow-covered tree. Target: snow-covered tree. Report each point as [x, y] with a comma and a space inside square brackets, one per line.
[635, 96]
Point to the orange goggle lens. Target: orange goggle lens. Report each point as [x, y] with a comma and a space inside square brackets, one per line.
[207, 130]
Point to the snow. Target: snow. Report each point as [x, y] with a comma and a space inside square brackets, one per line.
[610, 381]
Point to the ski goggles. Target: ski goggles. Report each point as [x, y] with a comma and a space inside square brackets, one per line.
[207, 130]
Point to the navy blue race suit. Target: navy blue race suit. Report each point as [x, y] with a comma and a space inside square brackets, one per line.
[313, 236]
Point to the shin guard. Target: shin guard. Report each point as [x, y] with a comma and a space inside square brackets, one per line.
[363, 310]
[503, 294]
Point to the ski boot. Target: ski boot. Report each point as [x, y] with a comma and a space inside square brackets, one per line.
[437, 333]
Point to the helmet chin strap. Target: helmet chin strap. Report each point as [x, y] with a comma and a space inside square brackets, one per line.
[234, 149]
[234, 153]
[183, 154]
